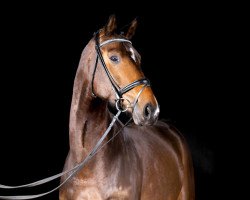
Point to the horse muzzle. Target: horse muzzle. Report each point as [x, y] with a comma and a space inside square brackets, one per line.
[148, 115]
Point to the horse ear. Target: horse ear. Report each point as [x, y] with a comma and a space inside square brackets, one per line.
[111, 25]
[131, 29]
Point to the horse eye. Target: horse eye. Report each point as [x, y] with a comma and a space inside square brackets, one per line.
[114, 59]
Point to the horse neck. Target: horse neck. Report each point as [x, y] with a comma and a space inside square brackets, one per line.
[89, 116]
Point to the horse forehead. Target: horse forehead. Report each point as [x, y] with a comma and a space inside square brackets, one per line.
[124, 48]
[128, 48]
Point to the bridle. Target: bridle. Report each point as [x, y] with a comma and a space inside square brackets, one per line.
[118, 91]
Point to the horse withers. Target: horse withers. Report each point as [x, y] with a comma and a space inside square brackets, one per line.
[146, 159]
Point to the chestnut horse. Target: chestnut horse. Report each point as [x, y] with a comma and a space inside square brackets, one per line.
[147, 159]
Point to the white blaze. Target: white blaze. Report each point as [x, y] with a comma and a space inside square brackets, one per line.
[132, 53]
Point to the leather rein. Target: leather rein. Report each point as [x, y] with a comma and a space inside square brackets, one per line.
[119, 93]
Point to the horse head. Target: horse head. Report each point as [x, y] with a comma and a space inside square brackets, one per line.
[118, 77]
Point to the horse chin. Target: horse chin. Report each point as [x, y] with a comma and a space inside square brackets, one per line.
[140, 120]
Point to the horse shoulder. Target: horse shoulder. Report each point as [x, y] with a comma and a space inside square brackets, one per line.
[180, 146]
[166, 161]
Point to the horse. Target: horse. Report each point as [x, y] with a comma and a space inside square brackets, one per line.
[145, 159]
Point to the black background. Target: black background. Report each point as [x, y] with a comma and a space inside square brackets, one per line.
[181, 47]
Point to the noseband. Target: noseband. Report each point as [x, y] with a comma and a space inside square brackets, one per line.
[118, 91]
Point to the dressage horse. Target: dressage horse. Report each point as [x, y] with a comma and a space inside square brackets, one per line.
[146, 159]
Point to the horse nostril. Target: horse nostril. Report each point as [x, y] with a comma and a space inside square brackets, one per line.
[147, 110]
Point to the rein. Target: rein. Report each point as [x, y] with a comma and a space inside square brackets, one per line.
[71, 172]
[119, 92]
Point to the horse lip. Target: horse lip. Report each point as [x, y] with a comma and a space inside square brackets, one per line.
[150, 121]
[141, 121]
[136, 119]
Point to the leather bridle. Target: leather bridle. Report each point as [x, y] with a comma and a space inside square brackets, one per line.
[118, 91]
